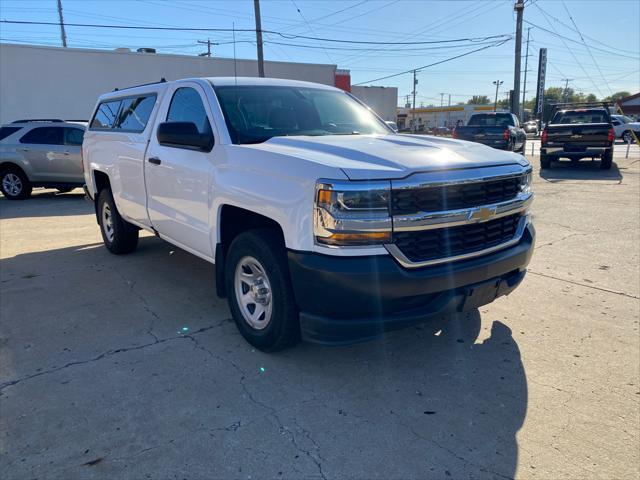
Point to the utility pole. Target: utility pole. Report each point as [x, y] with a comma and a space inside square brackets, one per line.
[415, 83]
[526, 67]
[565, 95]
[63, 34]
[497, 83]
[208, 44]
[440, 111]
[407, 104]
[449, 111]
[519, 9]
[256, 9]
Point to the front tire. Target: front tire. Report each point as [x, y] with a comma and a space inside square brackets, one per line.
[259, 290]
[14, 184]
[118, 235]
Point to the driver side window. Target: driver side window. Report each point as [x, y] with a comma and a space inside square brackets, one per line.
[186, 106]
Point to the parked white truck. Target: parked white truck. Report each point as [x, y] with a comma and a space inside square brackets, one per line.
[322, 222]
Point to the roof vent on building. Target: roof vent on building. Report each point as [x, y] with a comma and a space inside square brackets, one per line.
[146, 50]
[122, 50]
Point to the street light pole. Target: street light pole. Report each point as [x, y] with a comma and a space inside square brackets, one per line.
[497, 83]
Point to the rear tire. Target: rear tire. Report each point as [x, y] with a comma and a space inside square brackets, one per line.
[627, 137]
[14, 184]
[523, 148]
[545, 161]
[118, 235]
[607, 160]
[259, 290]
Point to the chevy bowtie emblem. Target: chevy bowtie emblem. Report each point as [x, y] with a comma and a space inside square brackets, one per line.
[577, 135]
[482, 214]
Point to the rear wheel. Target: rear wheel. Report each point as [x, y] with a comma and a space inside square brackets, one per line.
[627, 137]
[607, 160]
[118, 235]
[545, 161]
[14, 184]
[524, 147]
[260, 292]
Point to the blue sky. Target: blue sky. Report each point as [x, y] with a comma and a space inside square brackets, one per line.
[610, 28]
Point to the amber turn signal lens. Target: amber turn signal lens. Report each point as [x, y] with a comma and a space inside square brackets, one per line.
[347, 239]
[324, 197]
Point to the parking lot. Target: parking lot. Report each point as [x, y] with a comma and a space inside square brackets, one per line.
[130, 367]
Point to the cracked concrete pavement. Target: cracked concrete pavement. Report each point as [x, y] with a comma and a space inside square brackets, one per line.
[130, 367]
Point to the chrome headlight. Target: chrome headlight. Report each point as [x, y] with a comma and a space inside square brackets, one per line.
[526, 183]
[352, 213]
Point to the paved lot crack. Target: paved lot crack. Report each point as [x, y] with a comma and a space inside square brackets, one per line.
[628, 295]
[456, 455]
[103, 355]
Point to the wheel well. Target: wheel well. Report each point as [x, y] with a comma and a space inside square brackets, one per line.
[232, 222]
[6, 165]
[101, 180]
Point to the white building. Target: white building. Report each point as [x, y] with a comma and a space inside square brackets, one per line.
[430, 117]
[54, 82]
[382, 100]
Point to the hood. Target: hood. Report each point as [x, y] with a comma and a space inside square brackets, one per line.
[370, 157]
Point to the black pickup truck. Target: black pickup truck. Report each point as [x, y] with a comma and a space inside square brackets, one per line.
[496, 129]
[578, 131]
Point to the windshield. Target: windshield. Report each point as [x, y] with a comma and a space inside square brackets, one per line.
[254, 114]
[491, 120]
[581, 116]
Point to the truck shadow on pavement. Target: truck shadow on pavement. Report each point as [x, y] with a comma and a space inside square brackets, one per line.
[584, 170]
[45, 203]
[160, 370]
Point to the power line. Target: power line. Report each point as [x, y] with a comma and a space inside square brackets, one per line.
[252, 30]
[436, 63]
[587, 47]
[586, 36]
[573, 55]
[310, 27]
[555, 33]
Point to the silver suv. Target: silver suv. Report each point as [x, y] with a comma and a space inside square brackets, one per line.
[40, 153]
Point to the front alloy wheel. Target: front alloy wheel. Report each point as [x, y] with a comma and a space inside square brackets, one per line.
[12, 184]
[253, 291]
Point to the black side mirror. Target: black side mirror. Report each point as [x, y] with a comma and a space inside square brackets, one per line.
[184, 134]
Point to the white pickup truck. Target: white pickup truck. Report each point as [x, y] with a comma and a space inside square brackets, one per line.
[322, 222]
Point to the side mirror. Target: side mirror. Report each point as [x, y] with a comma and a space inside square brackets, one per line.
[184, 134]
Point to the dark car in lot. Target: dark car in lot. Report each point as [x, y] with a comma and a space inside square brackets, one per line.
[578, 131]
[496, 129]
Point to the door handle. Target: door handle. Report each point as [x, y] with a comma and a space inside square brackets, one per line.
[65, 153]
[24, 149]
[155, 160]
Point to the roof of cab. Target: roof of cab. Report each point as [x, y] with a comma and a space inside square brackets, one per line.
[215, 81]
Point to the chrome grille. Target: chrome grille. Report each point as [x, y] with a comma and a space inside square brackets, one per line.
[454, 196]
[426, 245]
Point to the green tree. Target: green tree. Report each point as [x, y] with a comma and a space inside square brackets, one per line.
[479, 100]
[616, 96]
